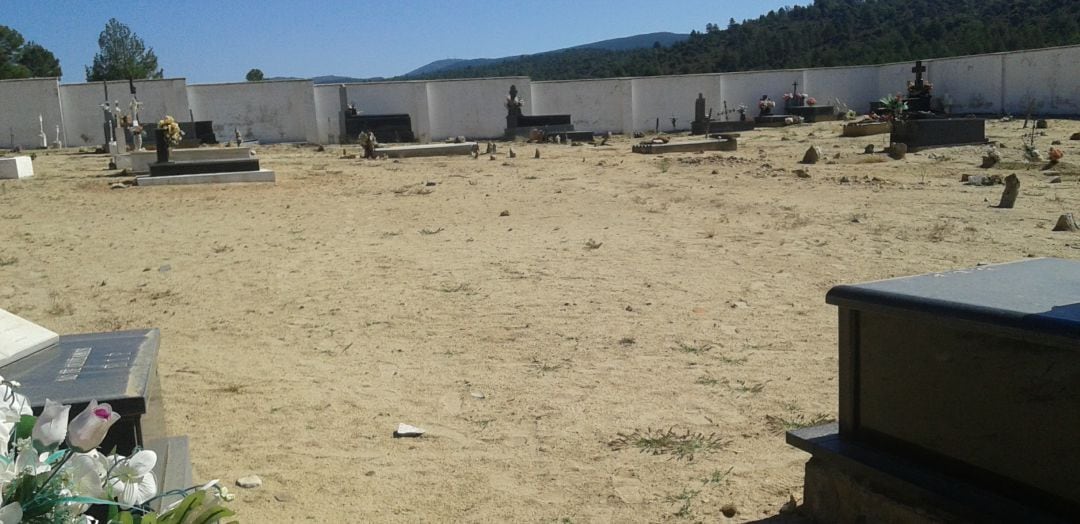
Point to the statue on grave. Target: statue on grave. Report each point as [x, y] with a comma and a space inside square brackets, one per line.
[236, 132]
[513, 108]
[368, 142]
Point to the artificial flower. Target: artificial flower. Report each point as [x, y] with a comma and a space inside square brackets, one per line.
[51, 426]
[132, 481]
[11, 514]
[12, 407]
[88, 428]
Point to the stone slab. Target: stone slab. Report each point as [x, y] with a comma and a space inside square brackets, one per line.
[171, 168]
[262, 175]
[173, 467]
[777, 120]
[856, 129]
[728, 143]
[139, 161]
[117, 368]
[813, 113]
[848, 481]
[925, 133]
[20, 338]
[975, 371]
[423, 150]
[16, 167]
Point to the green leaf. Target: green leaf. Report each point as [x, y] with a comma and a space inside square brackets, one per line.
[214, 515]
[180, 512]
[124, 518]
[25, 427]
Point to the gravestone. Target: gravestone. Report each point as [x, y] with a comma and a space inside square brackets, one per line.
[805, 106]
[169, 172]
[387, 128]
[920, 128]
[721, 142]
[958, 399]
[116, 368]
[518, 124]
[704, 124]
[20, 337]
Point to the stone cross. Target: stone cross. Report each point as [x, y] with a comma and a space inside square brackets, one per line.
[41, 132]
[919, 69]
[795, 89]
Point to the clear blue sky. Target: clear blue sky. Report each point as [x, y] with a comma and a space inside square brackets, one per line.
[220, 41]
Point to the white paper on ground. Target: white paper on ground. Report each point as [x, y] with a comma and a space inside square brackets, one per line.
[20, 338]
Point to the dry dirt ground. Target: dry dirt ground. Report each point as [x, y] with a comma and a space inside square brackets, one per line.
[625, 304]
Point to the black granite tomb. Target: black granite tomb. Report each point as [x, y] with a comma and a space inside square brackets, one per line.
[115, 368]
[201, 131]
[922, 133]
[803, 106]
[958, 396]
[387, 128]
[518, 124]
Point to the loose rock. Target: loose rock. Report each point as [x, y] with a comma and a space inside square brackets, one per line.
[407, 431]
[802, 173]
[728, 510]
[1075, 136]
[813, 155]
[898, 151]
[504, 213]
[1066, 223]
[249, 482]
[869, 149]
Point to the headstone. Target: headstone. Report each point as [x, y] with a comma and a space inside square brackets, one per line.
[518, 124]
[41, 133]
[14, 167]
[117, 368]
[57, 144]
[20, 337]
[957, 399]
[1012, 190]
[812, 155]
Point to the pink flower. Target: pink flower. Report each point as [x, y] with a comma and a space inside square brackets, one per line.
[88, 429]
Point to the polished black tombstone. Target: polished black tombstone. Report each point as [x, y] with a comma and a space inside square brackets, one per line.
[923, 133]
[116, 368]
[387, 128]
[958, 388]
[518, 124]
[166, 167]
[812, 113]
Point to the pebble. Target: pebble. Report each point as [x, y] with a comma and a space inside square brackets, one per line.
[164, 268]
[504, 213]
[248, 482]
[728, 510]
[283, 497]
[478, 395]
[405, 430]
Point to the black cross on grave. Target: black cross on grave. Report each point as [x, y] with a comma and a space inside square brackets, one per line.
[919, 69]
[795, 88]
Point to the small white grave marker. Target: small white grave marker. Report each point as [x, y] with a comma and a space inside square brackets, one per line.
[16, 167]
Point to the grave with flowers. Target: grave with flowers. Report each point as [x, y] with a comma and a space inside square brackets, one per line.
[112, 460]
[917, 125]
[766, 118]
[167, 171]
[806, 106]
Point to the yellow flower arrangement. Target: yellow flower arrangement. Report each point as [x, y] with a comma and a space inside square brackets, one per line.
[172, 130]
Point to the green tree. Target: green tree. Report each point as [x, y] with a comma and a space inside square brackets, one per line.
[254, 75]
[21, 59]
[123, 55]
[39, 61]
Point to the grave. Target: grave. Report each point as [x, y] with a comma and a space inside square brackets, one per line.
[721, 142]
[519, 125]
[704, 124]
[15, 167]
[139, 161]
[920, 127]
[117, 368]
[958, 399]
[387, 128]
[866, 128]
[170, 172]
[20, 338]
[423, 150]
[806, 107]
[766, 118]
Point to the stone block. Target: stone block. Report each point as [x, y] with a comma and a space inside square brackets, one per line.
[16, 167]
[262, 175]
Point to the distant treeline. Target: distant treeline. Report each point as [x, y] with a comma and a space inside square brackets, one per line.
[827, 33]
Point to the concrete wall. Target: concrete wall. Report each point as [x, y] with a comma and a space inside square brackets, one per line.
[667, 97]
[375, 98]
[854, 87]
[747, 88]
[327, 113]
[594, 105]
[972, 83]
[21, 101]
[82, 105]
[272, 111]
[474, 108]
[1050, 78]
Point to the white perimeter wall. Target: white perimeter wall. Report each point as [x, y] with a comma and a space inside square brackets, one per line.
[1050, 77]
[380, 98]
[473, 108]
[82, 105]
[667, 97]
[595, 105]
[855, 87]
[272, 111]
[327, 113]
[21, 101]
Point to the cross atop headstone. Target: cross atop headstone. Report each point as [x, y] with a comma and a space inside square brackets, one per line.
[919, 69]
[795, 88]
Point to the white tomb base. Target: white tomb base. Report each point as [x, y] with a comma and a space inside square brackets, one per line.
[16, 167]
[139, 161]
[20, 337]
[262, 175]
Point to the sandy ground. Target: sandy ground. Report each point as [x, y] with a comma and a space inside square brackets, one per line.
[623, 295]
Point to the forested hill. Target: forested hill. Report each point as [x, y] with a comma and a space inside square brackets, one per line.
[827, 33]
